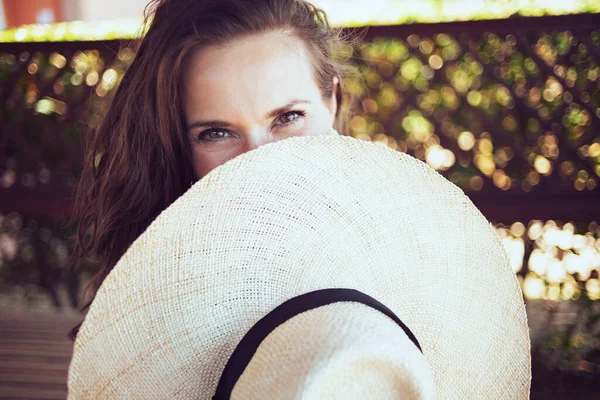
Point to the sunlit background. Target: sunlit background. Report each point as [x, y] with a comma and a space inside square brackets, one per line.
[501, 97]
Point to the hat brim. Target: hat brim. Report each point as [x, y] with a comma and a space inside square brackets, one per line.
[294, 216]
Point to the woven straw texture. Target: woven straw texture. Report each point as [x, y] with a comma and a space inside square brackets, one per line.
[298, 215]
[340, 351]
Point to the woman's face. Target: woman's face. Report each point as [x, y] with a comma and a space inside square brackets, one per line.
[249, 92]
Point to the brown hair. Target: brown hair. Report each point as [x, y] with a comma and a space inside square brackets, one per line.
[137, 161]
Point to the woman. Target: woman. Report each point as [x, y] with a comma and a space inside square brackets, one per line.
[290, 273]
[211, 79]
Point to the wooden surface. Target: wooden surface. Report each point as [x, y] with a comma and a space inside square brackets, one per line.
[35, 353]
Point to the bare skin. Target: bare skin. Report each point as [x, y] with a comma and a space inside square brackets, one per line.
[249, 92]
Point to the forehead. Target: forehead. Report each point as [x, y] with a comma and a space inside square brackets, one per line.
[251, 73]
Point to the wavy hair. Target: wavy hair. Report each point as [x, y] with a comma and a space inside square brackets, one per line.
[137, 161]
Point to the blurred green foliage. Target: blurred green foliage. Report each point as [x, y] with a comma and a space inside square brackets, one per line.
[515, 113]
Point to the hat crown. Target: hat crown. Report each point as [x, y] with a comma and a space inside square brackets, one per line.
[294, 216]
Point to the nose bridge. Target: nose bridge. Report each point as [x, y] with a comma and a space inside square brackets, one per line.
[258, 136]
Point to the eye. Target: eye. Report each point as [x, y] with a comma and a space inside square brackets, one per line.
[289, 117]
[212, 135]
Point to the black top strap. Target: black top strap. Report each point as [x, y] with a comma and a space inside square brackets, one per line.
[245, 350]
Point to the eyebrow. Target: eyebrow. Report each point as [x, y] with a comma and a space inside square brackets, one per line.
[271, 114]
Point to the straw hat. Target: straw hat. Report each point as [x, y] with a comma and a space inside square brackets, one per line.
[334, 267]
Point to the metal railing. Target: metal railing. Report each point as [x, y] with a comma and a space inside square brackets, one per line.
[509, 110]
